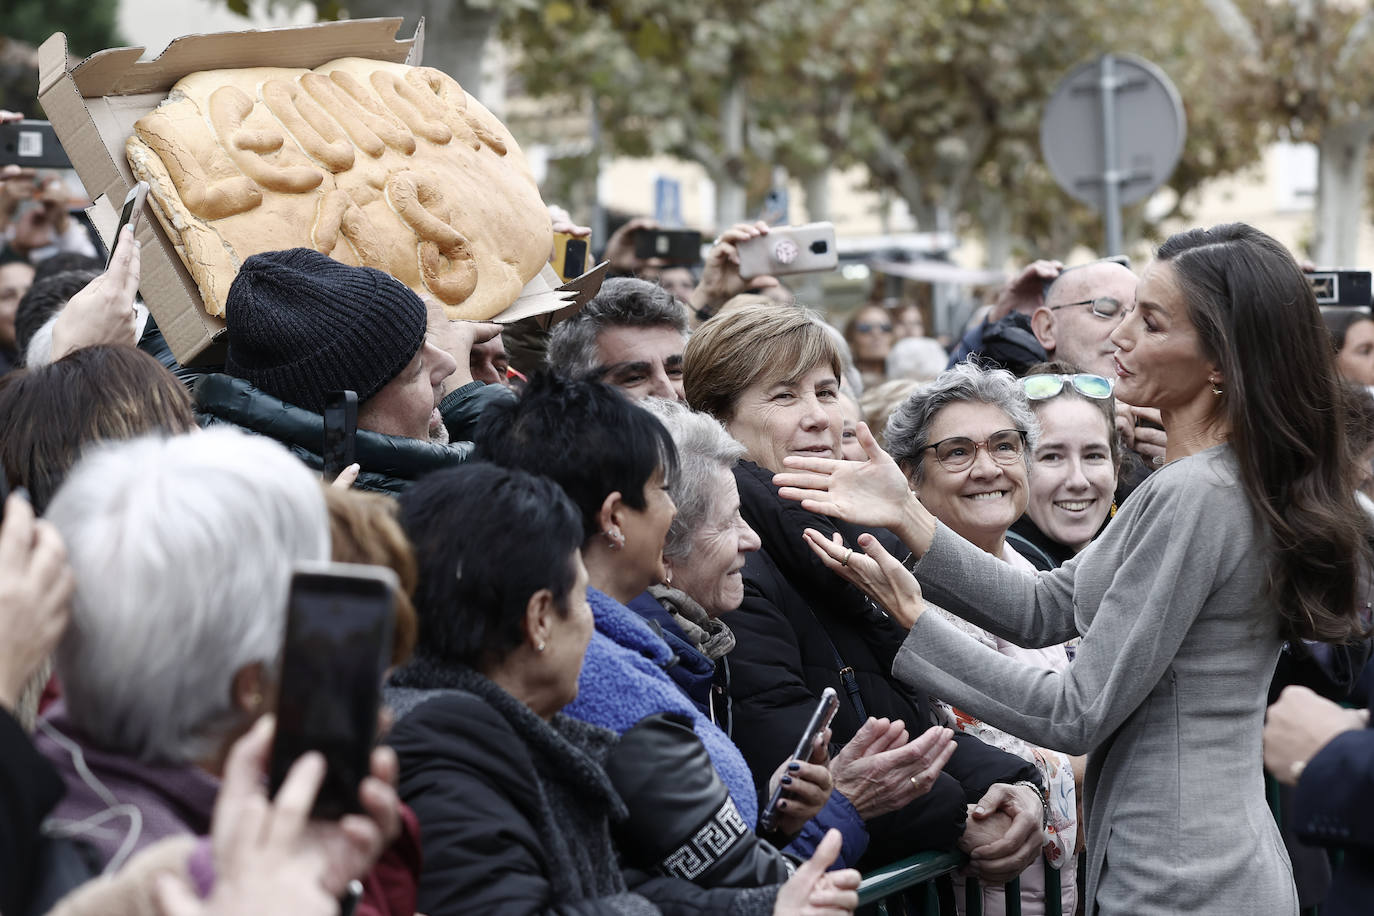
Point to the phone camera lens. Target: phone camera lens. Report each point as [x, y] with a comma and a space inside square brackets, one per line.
[820, 246]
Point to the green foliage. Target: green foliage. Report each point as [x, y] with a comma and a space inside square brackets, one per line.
[89, 24]
[940, 101]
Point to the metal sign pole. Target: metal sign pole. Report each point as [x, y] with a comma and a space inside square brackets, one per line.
[1111, 174]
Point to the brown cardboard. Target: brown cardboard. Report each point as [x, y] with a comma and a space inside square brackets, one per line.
[94, 103]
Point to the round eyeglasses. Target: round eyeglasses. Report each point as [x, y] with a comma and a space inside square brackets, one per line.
[1040, 387]
[1103, 306]
[957, 453]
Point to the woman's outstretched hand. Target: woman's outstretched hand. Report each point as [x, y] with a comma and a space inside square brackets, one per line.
[874, 570]
[872, 492]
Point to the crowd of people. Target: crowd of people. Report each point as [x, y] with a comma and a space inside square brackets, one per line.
[1054, 576]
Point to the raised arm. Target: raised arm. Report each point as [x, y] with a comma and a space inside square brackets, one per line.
[1156, 568]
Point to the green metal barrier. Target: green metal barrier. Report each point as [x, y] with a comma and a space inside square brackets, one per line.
[921, 884]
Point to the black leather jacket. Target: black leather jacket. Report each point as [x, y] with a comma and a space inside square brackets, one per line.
[389, 463]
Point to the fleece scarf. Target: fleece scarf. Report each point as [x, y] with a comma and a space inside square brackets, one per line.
[624, 679]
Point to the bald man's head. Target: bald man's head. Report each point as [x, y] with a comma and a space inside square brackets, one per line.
[1071, 327]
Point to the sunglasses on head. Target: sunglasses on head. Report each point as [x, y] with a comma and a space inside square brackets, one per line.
[1040, 387]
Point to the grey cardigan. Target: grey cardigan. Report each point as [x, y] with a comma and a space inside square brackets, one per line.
[1166, 693]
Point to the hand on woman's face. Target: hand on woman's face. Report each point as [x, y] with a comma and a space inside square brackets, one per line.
[1072, 477]
[776, 418]
[712, 573]
[981, 501]
[645, 529]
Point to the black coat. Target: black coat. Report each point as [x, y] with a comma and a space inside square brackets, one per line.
[799, 625]
[29, 789]
[514, 812]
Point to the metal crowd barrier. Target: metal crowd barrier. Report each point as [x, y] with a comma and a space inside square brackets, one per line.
[920, 886]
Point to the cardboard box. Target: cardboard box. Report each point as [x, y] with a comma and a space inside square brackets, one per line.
[94, 103]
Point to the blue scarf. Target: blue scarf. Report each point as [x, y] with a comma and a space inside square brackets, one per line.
[624, 679]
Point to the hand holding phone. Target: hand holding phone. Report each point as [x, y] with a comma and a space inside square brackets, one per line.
[130, 214]
[789, 250]
[825, 710]
[340, 432]
[338, 643]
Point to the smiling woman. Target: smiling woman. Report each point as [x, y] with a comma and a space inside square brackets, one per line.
[1074, 464]
[770, 374]
[962, 443]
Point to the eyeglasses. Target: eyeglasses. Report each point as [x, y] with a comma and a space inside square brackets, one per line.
[1041, 387]
[1103, 306]
[864, 327]
[958, 452]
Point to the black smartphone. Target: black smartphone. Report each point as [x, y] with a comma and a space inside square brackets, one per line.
[673, 246]
[129, 215]
[569, 256]
[337, 647]
[340, 432]
[32, 144]
[820, 721]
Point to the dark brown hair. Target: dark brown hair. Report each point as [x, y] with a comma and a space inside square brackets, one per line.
[1257, 320]
[50, 414]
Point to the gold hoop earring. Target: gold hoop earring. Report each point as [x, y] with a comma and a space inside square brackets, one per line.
[1216, 387]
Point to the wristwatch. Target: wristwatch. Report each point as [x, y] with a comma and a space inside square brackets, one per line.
[1043, 795]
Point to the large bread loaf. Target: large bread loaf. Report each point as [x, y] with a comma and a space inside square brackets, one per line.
[373, 163]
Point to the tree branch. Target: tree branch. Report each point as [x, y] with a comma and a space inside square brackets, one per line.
[1236, 27]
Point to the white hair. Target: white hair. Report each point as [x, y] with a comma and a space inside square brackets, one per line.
[182, 549]
[703, 448]
[919, 358]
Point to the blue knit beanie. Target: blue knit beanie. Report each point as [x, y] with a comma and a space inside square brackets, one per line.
[302, 324]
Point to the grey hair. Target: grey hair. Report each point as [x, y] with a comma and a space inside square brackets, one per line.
[703, 447]
[908, 429]
[622, 302]
[182, 550]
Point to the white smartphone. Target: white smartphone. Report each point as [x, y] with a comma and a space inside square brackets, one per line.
[789, 250]
[129, 214]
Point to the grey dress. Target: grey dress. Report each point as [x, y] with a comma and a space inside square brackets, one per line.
[1166, 693]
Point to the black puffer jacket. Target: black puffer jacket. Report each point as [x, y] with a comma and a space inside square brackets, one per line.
[514, 811]
[389, 463]
[798, 627]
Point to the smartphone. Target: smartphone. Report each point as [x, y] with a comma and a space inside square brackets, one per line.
[32, 144]
[569, 256]
[820, 721]
[129, 215]
[789, 250]
[672, 246]
[338, 644]
[1341, 287]
[340, 432]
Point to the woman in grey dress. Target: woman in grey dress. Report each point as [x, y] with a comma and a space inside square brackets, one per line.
[1246, 538]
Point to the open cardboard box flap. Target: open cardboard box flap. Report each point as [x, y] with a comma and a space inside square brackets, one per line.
[94, 103]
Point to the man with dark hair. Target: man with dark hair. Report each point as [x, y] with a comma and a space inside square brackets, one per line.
[630, 335]
[301, 325]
